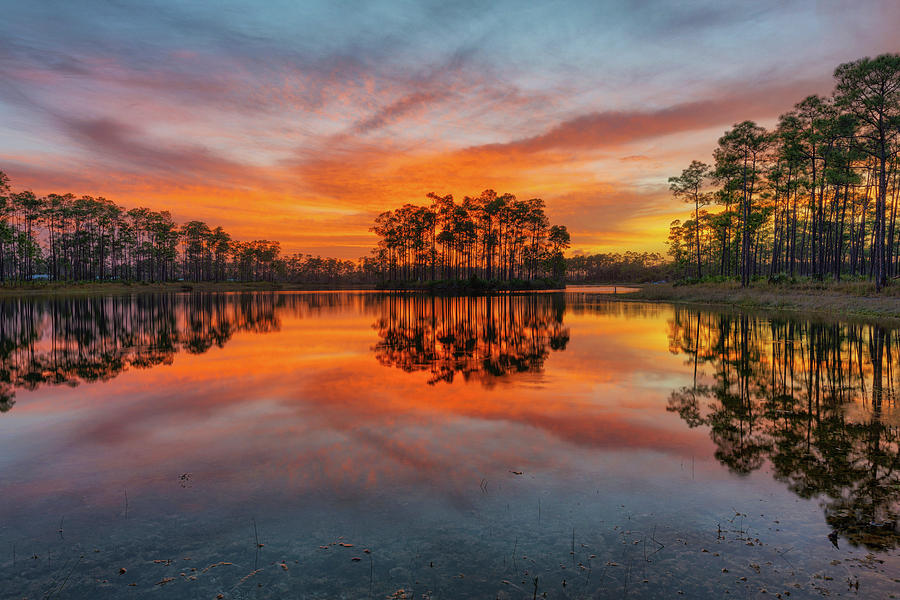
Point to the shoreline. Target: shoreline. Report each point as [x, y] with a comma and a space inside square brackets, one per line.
[120, 288]
[472, 286]
[854, 300]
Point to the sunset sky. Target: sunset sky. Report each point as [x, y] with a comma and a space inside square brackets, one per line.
[300, 121]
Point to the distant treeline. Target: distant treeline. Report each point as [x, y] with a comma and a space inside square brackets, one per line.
[491, 237]
[64, 237]
[818, 196]
[628, 267]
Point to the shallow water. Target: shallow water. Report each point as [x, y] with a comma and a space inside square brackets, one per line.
[355, 445]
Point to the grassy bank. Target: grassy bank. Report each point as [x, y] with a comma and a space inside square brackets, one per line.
[59, 288]
[856, 298]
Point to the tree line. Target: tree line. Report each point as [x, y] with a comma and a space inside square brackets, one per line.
[492, 237]
[615, 267]
[817, 196]
[64, 237]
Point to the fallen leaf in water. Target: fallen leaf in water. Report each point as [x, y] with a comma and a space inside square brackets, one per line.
[218, 564]
[249, 575]
[165, 581]
[356, 559]
[516, 472]
[346, 545]
[122, 571]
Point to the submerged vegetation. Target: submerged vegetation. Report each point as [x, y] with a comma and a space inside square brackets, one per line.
[816, 197]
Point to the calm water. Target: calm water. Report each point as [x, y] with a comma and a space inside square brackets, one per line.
[356, 445]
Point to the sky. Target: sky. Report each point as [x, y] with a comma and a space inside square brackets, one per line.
[301, 121]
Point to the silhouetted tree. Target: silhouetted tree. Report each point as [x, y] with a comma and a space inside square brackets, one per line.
[818, 196]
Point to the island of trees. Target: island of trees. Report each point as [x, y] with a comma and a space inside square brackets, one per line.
[815, 197]
[491, 241]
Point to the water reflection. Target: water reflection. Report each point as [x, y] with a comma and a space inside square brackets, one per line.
[74, 340]
[69, 341]
[815, 400]
[476, 337]
[310, 415]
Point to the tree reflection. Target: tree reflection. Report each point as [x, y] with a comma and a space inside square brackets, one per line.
[817, 400]
[480, 338]
[68, 341]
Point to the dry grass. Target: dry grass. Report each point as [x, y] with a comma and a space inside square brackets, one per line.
[852, 298]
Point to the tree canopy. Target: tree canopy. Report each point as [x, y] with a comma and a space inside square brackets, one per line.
[492, 237]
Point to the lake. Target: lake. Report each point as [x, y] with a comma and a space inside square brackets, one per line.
[364, 445]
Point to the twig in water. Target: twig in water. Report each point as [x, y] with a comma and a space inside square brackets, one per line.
[371, 577]
[65, 581]
[258, 545]
[781, 554]
[655, 541]
[627, 573]
[242, 579]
